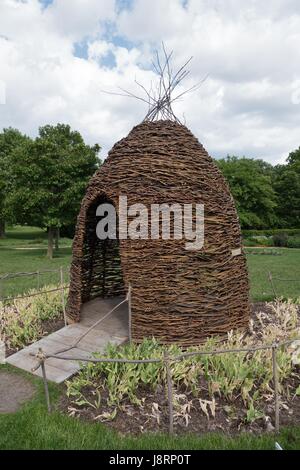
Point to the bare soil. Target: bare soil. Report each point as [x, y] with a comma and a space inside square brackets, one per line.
[230, 416]
[15, 390]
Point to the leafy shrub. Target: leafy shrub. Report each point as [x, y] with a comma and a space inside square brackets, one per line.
[258, 241]
[21, 320]
[280, 239]
[264, 241]
[268, 233]
[293, 242]
[249, 242]
[36, 241]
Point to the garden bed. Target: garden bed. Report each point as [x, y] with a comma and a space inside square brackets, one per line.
[229, 417]
[25, 321]
[46, 327]
[231, 392]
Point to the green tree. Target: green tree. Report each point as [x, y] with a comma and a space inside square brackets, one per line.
[250, 183]
[294, 158]
[50, 177]
[286, 183]
[10, 139]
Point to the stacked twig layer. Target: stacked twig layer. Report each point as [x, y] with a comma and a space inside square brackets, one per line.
[177, 295]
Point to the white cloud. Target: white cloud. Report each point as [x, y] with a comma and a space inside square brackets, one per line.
[79, 18]
[250, 50]
[248, 105]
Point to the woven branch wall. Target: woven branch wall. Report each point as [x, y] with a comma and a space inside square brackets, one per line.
[177, 295]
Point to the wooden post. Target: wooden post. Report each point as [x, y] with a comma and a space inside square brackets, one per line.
[41, 363]
[63, 293]
[272, 284]
[129, 314]
[38, 279]
[169, 391]
[276, 386]
[46, 385]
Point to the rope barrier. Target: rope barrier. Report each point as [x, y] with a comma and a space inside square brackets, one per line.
[272, 279]
[6, 299]
[104, 360]
[172, 359]
[20, 274]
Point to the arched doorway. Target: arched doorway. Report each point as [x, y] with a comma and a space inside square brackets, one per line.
[102, 278]
[101, 259]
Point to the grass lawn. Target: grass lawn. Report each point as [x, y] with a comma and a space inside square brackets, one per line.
[33, 428]
[24, 250]
[285, 266]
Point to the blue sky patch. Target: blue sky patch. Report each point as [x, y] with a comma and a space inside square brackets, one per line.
[45, 3]
[108, 60]
[124, 4]
[121, 4]
[81, 49]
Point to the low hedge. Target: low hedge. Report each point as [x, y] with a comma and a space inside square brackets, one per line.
[271, 232]
[279, 240]
[293, 242]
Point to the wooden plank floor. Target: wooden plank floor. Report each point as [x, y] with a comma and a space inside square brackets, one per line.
[114, 330]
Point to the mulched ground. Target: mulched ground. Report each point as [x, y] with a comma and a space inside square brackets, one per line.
[230, 416]
[50, 326]
[15, 390]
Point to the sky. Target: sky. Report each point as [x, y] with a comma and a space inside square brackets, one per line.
[57, 57]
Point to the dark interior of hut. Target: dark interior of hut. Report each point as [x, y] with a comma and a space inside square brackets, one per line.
[102, 272]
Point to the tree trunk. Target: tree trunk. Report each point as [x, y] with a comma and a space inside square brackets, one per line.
[2, 228]
[50, 242]
[57, 239]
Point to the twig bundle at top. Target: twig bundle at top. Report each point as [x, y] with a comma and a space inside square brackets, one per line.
[160, 98]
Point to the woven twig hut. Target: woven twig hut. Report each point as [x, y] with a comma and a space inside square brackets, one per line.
[177, 295]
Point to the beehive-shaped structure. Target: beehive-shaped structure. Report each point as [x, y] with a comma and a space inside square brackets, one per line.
[178, 295]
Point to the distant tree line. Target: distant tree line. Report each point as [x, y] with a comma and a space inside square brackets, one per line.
[266, 196]
[43, 180]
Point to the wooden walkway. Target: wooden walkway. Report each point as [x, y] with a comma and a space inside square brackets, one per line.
[114, 330]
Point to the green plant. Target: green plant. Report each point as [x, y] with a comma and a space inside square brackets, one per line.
[21, 320]
[293, 242]
[280, 239]
[253, 414]
[271, 232]
[263, 240]
[249, 242]
[36, 241]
